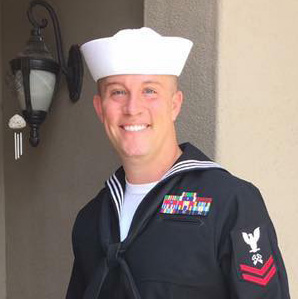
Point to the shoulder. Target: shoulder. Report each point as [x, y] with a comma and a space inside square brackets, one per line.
[237, 188]
[231, 195]
[223, 181]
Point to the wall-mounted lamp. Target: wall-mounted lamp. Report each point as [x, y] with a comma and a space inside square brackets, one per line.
[37, 73]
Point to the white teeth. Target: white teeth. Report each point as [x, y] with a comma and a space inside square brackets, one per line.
[134, 128]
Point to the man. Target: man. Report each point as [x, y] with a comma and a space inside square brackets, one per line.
[170, 223]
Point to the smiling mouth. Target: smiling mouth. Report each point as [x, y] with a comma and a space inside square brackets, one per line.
[135, 128]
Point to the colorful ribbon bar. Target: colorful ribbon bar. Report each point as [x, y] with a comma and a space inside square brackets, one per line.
[186, 204]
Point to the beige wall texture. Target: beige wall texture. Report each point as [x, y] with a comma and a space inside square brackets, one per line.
[257, 124]
[2, 199]
[45, 189]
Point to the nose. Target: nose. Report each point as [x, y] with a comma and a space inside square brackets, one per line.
[133, 104]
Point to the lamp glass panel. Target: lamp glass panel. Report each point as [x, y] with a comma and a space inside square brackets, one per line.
[42, 86]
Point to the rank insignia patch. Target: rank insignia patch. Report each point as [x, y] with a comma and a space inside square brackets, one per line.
[186, 204]
[261, 276]
[252, 239]
[254, 256]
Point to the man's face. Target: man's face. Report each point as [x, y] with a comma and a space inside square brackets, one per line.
[138, 112]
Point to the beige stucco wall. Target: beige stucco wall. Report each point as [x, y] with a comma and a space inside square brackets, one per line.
[257, 124]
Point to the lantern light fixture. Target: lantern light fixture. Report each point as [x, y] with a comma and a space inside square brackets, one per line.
[37, 74]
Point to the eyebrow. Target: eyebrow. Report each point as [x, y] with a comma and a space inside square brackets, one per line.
[111, 83]
[106, 85]
[152, 82]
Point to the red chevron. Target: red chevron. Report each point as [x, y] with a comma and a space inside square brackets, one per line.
[257, 271]
[261, 281]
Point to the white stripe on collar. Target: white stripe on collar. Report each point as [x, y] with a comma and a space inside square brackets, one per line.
[190, 164]
[117, 190]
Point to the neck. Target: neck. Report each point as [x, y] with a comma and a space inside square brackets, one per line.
[142, 170]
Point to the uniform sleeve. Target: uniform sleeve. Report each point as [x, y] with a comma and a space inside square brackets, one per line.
[249, 255]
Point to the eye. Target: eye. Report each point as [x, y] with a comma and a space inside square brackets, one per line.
[149, 91]
[118, 92]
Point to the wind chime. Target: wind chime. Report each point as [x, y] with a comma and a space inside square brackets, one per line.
[17, 123]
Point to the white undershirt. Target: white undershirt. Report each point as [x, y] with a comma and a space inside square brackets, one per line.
[133, 196]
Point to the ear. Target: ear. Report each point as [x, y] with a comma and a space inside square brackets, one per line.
[176, 104]
[98, 106]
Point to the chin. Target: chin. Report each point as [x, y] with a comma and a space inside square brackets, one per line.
[134, 151]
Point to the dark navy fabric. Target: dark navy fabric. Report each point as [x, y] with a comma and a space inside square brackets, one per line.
[168, 256]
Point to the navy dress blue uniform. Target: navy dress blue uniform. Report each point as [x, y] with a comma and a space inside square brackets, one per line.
[221, 245]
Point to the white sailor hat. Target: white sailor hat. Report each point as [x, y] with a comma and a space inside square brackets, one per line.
[136, 51]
